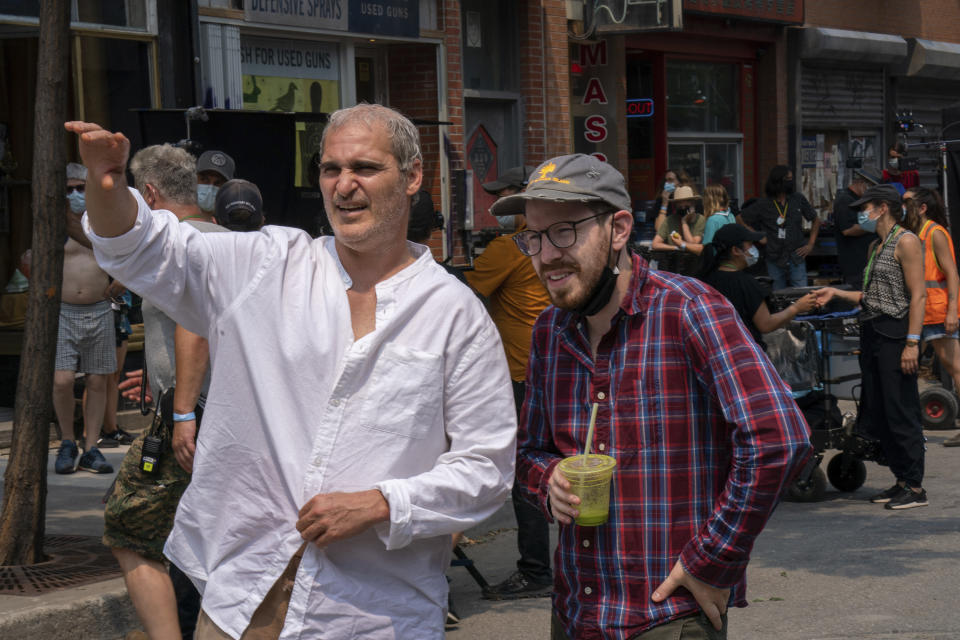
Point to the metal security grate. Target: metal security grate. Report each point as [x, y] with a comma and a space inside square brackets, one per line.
[74, 561]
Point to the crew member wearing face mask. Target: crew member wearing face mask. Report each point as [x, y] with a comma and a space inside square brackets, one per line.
[213, 169]
[896, 172]
[779, 217]
[730, 252]
[892, 304]
[515, 296]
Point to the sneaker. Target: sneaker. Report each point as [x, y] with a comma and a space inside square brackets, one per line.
[116, 438]
[952, 442]
[66, 457]
[517, 586]
[908, 499]
[94, 462]
[885, 496]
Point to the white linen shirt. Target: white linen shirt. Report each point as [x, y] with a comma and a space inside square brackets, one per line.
[421, 409]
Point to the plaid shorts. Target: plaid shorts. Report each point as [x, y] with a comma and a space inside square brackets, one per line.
[86, 338]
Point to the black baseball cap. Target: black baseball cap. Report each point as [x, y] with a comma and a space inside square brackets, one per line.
[516, 177]
[878, 192]
[239, 206]
[218, 162]
[733, 235]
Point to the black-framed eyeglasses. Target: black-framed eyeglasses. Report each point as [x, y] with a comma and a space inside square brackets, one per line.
[560, 234]
[79, 188]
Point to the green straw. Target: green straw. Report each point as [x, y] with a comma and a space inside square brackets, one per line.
[593, 421]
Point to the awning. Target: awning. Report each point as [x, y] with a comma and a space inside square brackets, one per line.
[841, 45]
[929, 59]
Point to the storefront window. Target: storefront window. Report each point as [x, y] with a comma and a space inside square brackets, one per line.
[709, 163]
[489, 45]
[131, 14]
[115, 77]
[702, 96]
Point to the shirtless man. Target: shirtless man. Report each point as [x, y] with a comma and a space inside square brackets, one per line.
[85, 338]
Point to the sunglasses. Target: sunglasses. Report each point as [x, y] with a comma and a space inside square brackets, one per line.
[79, 188]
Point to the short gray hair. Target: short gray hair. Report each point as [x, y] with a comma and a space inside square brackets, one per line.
[171, 170]
[404, 137]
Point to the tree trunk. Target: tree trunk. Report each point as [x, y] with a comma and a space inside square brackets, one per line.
[25, 481]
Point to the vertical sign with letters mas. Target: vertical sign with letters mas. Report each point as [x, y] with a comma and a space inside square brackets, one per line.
[597, 96]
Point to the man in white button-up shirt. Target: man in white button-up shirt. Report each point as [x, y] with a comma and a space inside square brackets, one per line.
[360, 398]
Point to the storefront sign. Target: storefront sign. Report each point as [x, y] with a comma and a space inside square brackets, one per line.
[785, 11]
[640, 108]
[320, 14]
[595, 98]
[289, 75]
[386, 17]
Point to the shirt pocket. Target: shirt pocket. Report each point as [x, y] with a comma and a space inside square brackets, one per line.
[404, 393]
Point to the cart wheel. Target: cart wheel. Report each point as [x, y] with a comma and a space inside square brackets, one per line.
[810, 490]
[938, 408]
[849, 479]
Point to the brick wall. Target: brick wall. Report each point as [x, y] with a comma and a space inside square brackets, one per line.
[930, 19]
[544, 79]
[412, 70]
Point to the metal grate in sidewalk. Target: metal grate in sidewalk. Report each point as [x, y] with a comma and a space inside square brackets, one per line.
[74, 561]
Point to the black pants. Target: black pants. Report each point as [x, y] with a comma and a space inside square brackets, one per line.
[890, 404]
[533, 531]
[188, 601]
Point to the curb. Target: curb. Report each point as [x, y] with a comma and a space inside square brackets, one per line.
[106, 614]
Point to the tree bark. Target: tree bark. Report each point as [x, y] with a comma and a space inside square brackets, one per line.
[25, 481]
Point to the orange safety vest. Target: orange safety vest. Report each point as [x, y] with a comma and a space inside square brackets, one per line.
[934, 278]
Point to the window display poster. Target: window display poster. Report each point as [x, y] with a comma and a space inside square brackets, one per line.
[289, 75]
[808, 152]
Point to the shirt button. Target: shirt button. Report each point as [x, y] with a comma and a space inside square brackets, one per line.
[601, 446]
[318, 460]
[586, 543]
[335, 402]
[587, 590]
[601, 395]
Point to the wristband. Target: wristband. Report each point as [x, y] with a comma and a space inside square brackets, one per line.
[184, 417]
[683, 246]
[913, 336]
[664, 209]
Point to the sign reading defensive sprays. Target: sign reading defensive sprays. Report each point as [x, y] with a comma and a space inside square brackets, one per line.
[321, 14]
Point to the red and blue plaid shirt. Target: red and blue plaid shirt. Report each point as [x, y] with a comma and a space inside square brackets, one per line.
[706, 437]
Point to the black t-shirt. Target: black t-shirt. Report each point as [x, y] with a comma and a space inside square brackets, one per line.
[743, 292]
[851, 250]
[764, 215]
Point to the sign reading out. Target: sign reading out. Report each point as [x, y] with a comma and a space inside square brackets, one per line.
[640, 108]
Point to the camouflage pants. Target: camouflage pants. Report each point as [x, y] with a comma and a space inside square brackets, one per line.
[140, 510]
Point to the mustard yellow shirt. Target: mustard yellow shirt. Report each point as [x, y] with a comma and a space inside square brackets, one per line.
[506, 278]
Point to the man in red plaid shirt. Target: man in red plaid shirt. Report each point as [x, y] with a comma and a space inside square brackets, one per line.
[705, 433]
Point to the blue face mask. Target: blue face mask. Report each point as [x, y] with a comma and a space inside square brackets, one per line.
[868, 225]
[78, 201]
[505, 221]
[207, 196]
[753, 254]
[669, 187]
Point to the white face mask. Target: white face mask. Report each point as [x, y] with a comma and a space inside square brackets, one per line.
[752, 255]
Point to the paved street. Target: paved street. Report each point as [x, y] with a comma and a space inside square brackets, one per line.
[840, 568]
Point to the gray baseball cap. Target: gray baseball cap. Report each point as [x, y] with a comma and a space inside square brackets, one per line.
[76, 171]
[216, 161]
[881, 192]
[573, 178]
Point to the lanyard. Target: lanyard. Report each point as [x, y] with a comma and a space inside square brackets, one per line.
[876, 252]
[781, 215]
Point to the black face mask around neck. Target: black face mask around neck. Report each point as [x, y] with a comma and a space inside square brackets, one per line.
[603, 290]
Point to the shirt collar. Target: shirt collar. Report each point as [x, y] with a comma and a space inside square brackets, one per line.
[422, 255]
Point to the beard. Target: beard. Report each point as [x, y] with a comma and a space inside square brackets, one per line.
[586, 276]
[385, 222]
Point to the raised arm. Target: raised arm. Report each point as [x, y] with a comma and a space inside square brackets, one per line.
[111, 208]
